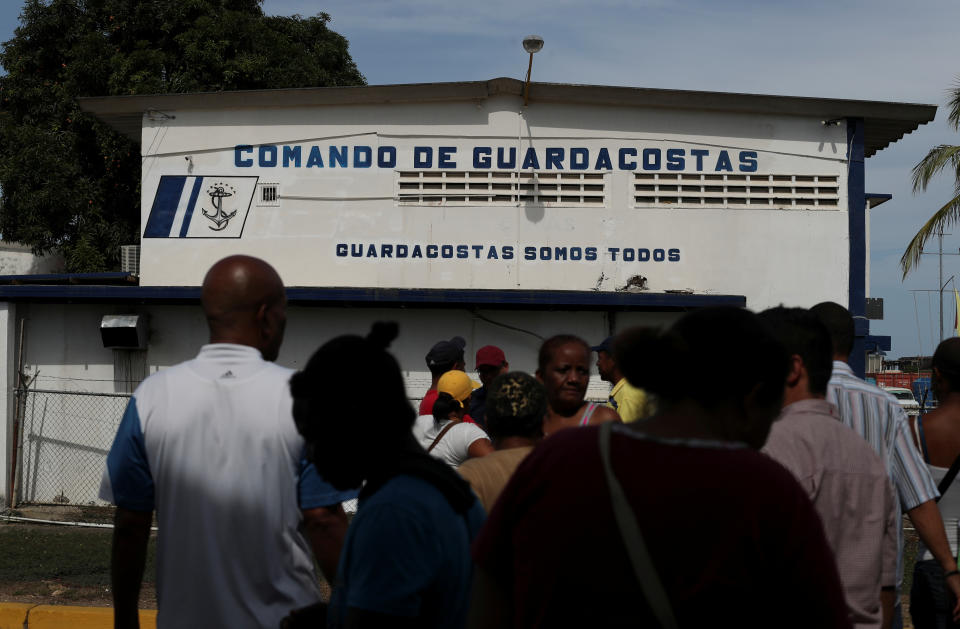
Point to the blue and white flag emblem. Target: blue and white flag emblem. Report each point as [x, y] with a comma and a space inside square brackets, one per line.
[200, 207]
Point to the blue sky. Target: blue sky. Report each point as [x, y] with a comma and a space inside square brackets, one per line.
[865, 49]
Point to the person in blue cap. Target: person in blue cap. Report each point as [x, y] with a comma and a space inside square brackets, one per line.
[630, 402]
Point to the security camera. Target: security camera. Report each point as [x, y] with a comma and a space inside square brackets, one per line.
[532, 43]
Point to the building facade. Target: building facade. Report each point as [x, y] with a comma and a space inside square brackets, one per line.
[456, 210]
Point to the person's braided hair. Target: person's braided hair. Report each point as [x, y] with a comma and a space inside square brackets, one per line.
[516, 404]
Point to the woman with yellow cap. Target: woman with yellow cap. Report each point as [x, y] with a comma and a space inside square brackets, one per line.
[449, 438]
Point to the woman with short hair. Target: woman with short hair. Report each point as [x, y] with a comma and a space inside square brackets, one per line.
[563, 366]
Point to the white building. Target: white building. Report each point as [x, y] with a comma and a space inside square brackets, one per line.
[456, 210]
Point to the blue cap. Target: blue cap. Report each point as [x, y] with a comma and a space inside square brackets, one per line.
[605, 346]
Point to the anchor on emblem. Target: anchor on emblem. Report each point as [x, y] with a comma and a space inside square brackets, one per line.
[220, 218]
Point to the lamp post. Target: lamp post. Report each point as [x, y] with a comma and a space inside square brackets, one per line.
[942, 286]
[532, 44]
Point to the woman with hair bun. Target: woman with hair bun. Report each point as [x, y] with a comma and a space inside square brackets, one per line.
[563, 366]
[938, 434]
[449, 438]
[716, 532]
[406, 557]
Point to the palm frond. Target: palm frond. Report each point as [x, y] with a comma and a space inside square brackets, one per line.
[942, 218]
[954, 116]
[935, 161]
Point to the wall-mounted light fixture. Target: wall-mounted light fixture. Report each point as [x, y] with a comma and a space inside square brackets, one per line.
[156, 114]
[532, 44]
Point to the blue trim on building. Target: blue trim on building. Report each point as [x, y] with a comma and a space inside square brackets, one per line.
[160, 220]
[498, 299]
[69, 278]
[856, 209]
[877, 343]
[514, 298]
[877, 198]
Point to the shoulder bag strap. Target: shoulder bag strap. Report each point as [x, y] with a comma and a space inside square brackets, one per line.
[588, 413]
[442, 433]
[948, 479]
[922, 438]
[633, 540]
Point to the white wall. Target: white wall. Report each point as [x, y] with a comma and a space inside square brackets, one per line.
[770, 255]
[18, 259]
[64, 351]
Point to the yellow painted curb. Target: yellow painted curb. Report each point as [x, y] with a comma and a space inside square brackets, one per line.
[13, 615]
[59, 616]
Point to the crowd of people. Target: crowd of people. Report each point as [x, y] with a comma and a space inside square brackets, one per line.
[768, 494]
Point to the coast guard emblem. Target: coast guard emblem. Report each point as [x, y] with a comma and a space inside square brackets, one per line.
[223, 204]
[218, 193]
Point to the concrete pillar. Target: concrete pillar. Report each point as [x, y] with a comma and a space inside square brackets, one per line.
[8, 381]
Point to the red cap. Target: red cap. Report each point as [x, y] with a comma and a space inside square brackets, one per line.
[490, 356]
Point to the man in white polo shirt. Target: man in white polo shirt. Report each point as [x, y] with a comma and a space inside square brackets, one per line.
[211, 446]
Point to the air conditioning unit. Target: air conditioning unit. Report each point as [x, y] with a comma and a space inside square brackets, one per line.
[130, 259]
[124, 331]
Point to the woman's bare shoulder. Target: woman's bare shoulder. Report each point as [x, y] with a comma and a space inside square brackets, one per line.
[602, 415]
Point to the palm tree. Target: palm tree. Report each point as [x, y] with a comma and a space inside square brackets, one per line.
[939, 158]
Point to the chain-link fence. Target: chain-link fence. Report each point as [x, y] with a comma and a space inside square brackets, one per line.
[64, 439]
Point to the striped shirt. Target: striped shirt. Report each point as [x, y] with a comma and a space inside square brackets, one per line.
[877, 417]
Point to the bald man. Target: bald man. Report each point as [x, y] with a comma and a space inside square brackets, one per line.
[211, 446]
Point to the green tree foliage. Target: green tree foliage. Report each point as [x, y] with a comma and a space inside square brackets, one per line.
[940, 158]
[71, 184]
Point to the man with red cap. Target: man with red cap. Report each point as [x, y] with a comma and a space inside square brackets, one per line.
[491, 362]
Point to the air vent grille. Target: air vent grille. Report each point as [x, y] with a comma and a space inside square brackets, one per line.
[268, 194]
[445, 188]
[813, 192]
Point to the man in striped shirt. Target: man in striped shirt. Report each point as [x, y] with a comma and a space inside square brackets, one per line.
[878, 418]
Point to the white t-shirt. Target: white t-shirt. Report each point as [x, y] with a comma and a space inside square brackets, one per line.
[452, 448]
[949, 507]
[420, 428]
[211, 445]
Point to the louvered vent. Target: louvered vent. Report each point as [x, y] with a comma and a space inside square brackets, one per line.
[811, 192]
[501, 188]
[268, 194]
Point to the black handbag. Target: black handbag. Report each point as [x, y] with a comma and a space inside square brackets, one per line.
[931, 601]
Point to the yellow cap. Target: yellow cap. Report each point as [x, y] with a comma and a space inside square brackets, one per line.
[457, 384]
